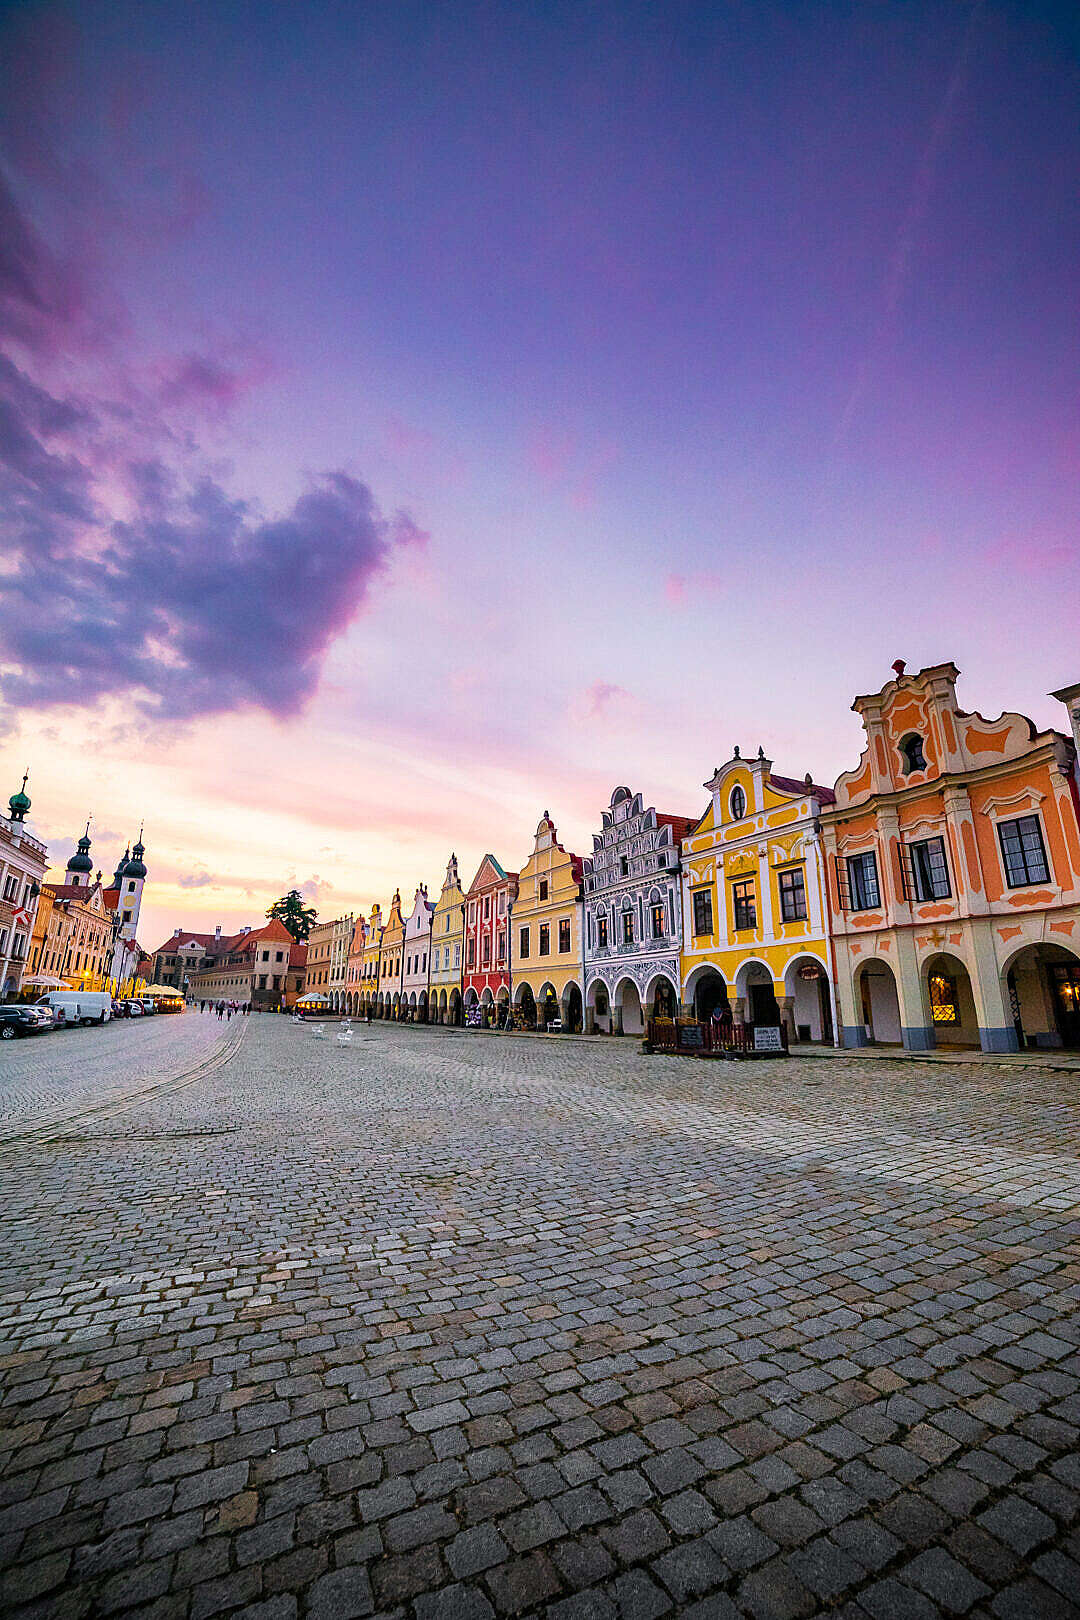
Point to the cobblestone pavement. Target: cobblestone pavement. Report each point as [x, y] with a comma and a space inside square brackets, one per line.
[436, 1326]
[48, 1078]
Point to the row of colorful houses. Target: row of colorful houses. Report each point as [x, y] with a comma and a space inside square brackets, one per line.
[930, 897]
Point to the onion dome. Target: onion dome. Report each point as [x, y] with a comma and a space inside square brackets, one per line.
[19, 803]
[120, 865]
[80, 861]
[135, 867]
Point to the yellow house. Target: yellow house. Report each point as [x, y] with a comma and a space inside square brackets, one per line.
[447, 933]
[369, 966]
[545, 935]
[755, 921]
[391, 955]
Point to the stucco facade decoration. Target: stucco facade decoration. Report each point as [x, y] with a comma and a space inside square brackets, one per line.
[755, 905]
[391, 961]
[485, 980]
[447, 945]
[633, 917]
[369, 972]
[417, 965]
[954, 874]
[545, 935]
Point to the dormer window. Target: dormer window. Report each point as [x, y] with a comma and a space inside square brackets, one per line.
[912, 750]
[737, 804]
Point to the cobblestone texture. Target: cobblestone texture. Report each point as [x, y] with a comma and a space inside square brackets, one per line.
[439, 1326]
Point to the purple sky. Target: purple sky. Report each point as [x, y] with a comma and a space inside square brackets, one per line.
[414, 417]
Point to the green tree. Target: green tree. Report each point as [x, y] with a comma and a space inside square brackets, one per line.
[291, 910]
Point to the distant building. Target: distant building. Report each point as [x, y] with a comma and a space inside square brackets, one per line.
[251, 966]
[414, 977]
[296, 974]
[391, 960]
[23, 864]
[182, 956]
[447, 938]
[633, 916]
[485, 978]
[369, 964]
[546, 934]
[328, 959]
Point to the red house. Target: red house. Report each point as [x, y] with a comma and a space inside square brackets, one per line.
[486, 969]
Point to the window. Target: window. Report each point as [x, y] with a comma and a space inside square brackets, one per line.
[266, 956]
[703, 923]
[657, 913]
[470, 955]
[543, 888]
[501, 951]
[1023, 852]
[486, 952]
[628, 927]
[262, 981]
[624, 866]
[601, 933]
[545, 940]
[523, 943]
[564, 934]
[742, 894]
[943, 1008]
[912, 750]
[929, 872]
[793, 895]
[737, 803]
[127, 916]
[278, 956]
[863, 881]
[487, 905]
[424, 967]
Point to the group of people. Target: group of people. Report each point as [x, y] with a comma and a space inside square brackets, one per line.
[225, 1009]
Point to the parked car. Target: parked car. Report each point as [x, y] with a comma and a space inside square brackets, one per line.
[128, 1007]
[80, 1006]
[16, 1020]
[147, 1004]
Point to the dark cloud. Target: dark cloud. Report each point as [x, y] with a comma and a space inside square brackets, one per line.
[123, 571]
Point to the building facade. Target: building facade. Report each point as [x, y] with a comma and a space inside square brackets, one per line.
[23, 863]
[250, 968]
[181, 957]
[755, 904]
[546, 960]
[295, 973]
[369, 984]
[417, 966]
[633, 917]
[954, 873]
[485, 977]
[327, 969]
[391, 960]
[447, 940]
[354, 972]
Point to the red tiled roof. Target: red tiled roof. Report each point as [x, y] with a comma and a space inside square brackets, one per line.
[788, 785]
[680, 825]
[70, 891]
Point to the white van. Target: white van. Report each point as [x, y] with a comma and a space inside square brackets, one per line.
[80, 1006]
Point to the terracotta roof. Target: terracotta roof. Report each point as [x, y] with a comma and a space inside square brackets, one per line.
[298, 954]
[70, 891]
[787, 784]
[680, 825]
[207, 941]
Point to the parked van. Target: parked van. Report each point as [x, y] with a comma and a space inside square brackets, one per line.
[80, 1006]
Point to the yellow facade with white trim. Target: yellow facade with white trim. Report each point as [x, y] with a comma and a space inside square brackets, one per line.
[755, 921]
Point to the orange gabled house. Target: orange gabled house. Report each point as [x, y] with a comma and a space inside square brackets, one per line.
[953, 863]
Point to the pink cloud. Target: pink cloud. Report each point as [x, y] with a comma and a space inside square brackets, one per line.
[681, 590]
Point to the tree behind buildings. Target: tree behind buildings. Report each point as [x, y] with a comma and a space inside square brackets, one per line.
[292, 912]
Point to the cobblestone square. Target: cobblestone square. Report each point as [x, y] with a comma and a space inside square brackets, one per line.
[440, 1324]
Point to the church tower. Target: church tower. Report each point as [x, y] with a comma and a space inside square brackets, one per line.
[129, 879]
[80, 867]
